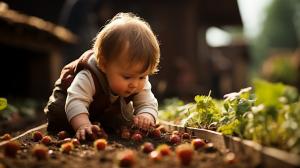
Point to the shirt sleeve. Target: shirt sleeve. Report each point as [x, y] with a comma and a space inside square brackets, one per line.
[145, 102]
[80, 94]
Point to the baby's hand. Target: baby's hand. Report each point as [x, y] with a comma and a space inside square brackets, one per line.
[144, 121]
[85, 129]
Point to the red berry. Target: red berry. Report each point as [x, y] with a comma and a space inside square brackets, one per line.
[66, 147]
[197, 143]
[164, 149]
[186, 136]
[156, 133]
[5, 137]
[175, 139]
[155, 156]
[137, 137]
[37, 136]
[46, 140]
[184, 153]
[147, 147]
[11, 148]
[126, 158]
[100, 144]
[40, 151]
[62, 135]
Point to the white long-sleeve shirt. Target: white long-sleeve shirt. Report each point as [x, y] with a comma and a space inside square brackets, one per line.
[82, 90]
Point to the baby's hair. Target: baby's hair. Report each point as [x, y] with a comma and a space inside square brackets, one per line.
[127, 29]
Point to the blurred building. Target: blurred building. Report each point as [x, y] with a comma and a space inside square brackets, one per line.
[282, 65]
[31, 54]
[189, 66]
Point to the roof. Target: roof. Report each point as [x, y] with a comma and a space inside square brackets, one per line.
[219, 12]
[20, 29]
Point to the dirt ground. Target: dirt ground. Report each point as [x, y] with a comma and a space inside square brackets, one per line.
[86, 156]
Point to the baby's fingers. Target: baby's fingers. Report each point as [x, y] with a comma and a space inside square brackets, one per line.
[136, 120]
[80, 134]
[95, 128]
[89, 130]
[152, 124]
[145, 124]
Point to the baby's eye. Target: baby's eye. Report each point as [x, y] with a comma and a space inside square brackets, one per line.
[126, 77]
[143, 77]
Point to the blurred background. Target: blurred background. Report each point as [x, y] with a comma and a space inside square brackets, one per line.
[217, 45]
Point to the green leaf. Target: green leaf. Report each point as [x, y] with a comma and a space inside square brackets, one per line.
[3, 103]
[268, 93]
[230, 128]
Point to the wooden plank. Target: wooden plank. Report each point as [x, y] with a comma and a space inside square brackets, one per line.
[264, 156]
[41, 127]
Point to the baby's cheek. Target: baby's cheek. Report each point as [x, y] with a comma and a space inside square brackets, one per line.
[118, 86]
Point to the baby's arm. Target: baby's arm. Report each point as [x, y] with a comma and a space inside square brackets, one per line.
[146, 108]
[80, 95]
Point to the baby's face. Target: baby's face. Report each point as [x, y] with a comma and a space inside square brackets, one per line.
[125, 79]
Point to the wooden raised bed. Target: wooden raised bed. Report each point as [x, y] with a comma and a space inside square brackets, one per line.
[255, 154]
[266, 157]
[86, 156]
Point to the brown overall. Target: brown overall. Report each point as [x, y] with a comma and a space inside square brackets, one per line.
[101, 109]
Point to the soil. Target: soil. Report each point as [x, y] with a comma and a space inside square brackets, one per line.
[86, 156]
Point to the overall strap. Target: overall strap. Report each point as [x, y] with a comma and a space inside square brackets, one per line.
[98, 76]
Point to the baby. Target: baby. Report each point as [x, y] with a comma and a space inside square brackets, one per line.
[108, 84]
